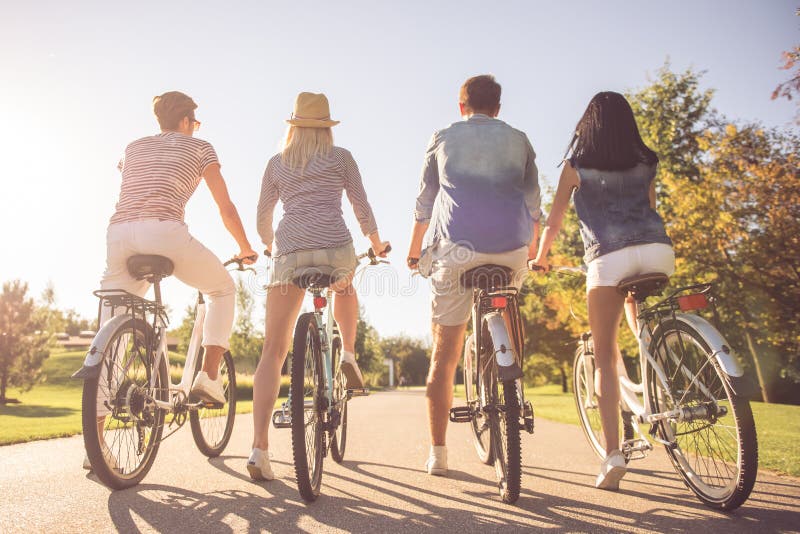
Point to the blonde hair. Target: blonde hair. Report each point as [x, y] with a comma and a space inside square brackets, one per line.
[301, 144]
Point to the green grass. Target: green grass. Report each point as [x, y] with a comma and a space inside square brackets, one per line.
[52, 409]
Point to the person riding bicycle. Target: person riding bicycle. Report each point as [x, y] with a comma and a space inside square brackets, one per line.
[479, 194]
[612, 174]
[308, 177]
[160, 173]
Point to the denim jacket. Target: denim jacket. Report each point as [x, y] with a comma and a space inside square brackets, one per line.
[614, 210]
[479, 186]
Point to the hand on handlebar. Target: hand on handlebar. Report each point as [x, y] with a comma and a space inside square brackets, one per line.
[385, 248]
[247, 256]
[539, 265]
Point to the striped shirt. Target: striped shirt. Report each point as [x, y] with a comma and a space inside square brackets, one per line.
[159, 175]
[312, 203]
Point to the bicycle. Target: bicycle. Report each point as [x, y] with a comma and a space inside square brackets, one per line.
[690, 391]
[316, 408]
[127, 389]
[496, 407]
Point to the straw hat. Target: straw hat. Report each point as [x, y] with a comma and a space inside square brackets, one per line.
[311, 111]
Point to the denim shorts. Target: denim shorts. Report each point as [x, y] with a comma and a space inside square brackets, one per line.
[340, 262]
[610, 269]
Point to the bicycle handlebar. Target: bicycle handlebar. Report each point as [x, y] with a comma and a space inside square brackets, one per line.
[240, 263]
[374, 258]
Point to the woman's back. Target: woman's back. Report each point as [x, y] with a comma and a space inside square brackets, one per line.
[312, 202]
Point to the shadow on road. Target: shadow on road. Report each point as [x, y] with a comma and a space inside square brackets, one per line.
[373, 497]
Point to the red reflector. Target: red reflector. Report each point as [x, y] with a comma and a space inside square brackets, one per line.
[499, 302]
[320, 302]
[698, 301]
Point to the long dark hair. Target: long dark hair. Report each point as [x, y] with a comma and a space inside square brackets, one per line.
[607, 138]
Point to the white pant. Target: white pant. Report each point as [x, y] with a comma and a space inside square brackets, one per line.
[195, 265]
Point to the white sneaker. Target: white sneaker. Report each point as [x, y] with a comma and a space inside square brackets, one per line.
[258, 465]
[612, 470]
[207, 389]
[437, 461]
[352, 374]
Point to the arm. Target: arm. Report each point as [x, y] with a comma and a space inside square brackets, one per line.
[428, 189]
[566, 184]
[357, 195]
[230, 217]
[533, 198]
[266, 208]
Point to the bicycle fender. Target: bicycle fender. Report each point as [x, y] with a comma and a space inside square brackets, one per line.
[91, 364]
[720, 348]
[507, 367]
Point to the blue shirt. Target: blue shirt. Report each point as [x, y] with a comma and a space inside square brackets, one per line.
[480, 186]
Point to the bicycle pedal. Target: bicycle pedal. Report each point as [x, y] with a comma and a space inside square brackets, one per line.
[636, 449]
[527, 417]
[362, 392]
[281, 419]
[461, 414]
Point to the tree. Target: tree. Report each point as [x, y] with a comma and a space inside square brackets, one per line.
[368, 347]
[411, 355]
[791, 87]
[23, 345]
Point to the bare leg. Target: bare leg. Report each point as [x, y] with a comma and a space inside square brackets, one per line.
[283, 305]
[447, 344]
[211, 358]
[345, 312]
[605, 309]
[630, 315]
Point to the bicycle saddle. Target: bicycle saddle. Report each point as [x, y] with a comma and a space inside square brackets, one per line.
[142, 266]
[317, 276]
[642, 286]
[487, 277]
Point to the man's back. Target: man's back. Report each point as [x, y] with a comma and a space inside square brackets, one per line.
[484, 173]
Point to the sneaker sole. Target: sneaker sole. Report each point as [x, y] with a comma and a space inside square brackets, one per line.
[437, 472]
[611, 480]
[204, 395]
[351, 376]
[255, 473]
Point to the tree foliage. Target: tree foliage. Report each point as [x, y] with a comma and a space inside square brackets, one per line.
[246, 340]
[23, 343]
[412, 357]
[791, 87]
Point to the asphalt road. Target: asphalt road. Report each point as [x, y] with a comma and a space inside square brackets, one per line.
[380, 487]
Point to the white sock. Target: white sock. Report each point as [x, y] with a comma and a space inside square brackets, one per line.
[348, 356]
[439, 451]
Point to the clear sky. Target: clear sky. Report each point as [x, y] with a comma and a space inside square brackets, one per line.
[77, 80]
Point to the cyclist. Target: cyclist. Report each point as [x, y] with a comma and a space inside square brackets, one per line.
[479, 192]
[308, 177]
[612, 173]
[159, 175]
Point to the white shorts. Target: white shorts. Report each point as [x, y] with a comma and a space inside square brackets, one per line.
[610, 269]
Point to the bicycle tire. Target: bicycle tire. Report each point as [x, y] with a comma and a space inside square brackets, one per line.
[124, 377]
[308, 394]
[504, 424]
[588, 410]
[729, 442]
[477, 397]
[212, 426]
[338, 436]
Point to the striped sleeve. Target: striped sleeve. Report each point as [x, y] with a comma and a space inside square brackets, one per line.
[207, 156]
[266, 205]
[354, 188]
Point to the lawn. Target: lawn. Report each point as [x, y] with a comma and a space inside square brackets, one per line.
[53, 409]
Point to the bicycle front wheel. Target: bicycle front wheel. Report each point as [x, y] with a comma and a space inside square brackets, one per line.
[584, 390]
[307, 389]
[339, 435]
[713, 445]
[212, 424]
[504, 427]
[122, 426]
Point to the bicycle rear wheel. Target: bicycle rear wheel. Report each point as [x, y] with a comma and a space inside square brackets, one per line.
[339, 436]
[120, 399]
[307, 389]
[212, 424]
[715, 449]
[588, 410]
[504, 427]
[478, 396]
